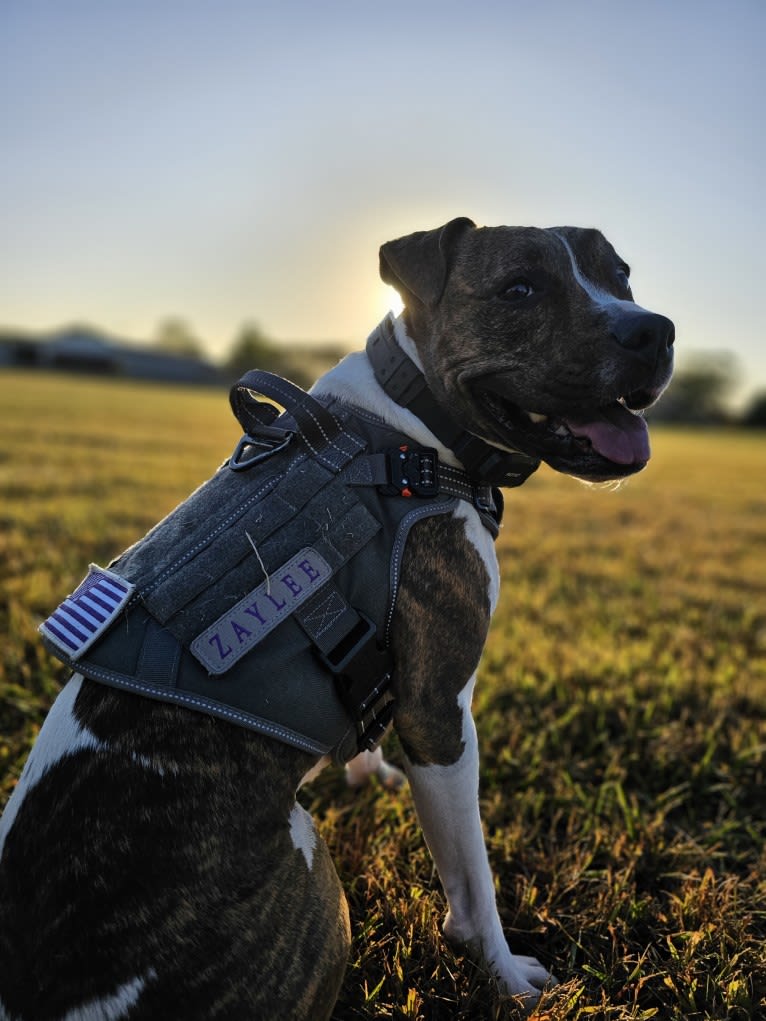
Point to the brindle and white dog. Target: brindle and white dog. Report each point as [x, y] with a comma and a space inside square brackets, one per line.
[155, 871]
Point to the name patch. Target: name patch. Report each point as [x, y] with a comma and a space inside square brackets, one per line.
[243, 626]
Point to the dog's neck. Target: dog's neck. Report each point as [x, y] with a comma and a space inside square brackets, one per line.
[388, 379]
[353, 382]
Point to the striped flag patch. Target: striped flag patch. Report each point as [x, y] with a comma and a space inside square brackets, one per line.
[88, 612]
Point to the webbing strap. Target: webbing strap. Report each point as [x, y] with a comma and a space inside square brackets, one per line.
[347, 644]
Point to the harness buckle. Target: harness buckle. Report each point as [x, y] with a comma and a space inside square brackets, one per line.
[412, 471]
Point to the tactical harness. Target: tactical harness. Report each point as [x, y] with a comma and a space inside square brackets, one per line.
[266, 598]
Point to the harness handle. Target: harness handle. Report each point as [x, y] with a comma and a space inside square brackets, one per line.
[315, 423]
[317, 427]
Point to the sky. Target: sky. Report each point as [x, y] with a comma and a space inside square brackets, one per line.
[227, 162]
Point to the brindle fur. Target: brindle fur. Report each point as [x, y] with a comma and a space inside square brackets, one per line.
[440, 626]
[201, 865]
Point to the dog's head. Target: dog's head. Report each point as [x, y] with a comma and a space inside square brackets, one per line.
[531, 339]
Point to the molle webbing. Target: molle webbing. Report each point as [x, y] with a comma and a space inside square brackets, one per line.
[237, 529]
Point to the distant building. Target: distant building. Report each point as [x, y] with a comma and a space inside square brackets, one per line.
[85, 350]
[16, 349]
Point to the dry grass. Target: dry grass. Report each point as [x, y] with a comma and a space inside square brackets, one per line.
[621, 708]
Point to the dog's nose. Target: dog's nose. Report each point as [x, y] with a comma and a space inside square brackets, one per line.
[644, 332]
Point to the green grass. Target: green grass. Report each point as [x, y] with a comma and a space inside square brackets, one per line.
[621, 708]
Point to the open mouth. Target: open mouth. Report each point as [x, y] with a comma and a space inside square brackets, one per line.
[607, 442]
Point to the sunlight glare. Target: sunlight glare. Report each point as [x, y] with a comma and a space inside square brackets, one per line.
[390, 301]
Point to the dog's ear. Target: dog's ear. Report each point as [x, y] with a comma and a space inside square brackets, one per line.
[417, 265]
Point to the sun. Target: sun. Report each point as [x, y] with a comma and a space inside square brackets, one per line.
[389, 301]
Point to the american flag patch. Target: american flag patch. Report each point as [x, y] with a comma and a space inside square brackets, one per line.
[88, 612]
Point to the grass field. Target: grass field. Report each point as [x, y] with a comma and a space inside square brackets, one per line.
[621, 708]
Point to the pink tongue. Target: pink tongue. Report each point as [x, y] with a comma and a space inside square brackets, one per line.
[616, 434]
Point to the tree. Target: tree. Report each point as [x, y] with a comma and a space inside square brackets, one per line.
[252, 350]
[300, 363]
[755, 413]
[175, 337]
[699, 389]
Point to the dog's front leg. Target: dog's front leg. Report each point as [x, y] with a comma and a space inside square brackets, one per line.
[447, 803]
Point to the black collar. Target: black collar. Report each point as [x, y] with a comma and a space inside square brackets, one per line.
[405, 383]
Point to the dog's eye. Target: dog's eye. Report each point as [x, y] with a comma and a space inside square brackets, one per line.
[623, 275]
[518, 290]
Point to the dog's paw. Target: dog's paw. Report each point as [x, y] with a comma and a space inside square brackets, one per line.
[368, 764]
[391, 777]
[522, 978]
[525, 980]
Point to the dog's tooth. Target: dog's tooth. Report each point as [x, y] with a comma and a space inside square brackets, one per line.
[536, 417]
[561, 430]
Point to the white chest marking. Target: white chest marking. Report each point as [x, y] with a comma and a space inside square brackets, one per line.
[302, 833]
[61, 735]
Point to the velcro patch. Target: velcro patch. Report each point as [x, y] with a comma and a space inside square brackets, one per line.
[242, 627]
[88, 612]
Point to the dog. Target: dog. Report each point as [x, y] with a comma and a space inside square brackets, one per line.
[157, 871]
